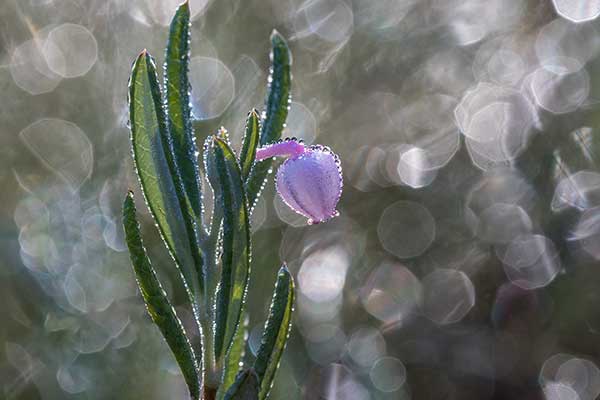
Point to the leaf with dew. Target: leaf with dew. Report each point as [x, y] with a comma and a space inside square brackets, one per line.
[245, 387]
[157, 303]
[250, 143]
[179, 114]
[152, 159]
[235, 355]
[277, 330]
[275, 113]
[235, 254]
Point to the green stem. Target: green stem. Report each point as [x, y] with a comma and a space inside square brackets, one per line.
[211, 371]
[209, 393]
[210, 243]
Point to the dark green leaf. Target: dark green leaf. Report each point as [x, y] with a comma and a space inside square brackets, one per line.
[250, 143]
[234, 357]
[179, 113]
[159, 307]
[276, 110]
[235, 254]
[151, 154]
[245, 387]
[276, 331]
[278, 99]
[212, 246]
[213, 179]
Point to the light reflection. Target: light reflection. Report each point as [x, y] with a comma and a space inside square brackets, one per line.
[322, 275]
[564, 376]
[392, 293]
[448, 296]
[577, 11]
[406, 229]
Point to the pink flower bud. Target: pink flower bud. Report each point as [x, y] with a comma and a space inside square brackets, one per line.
[309, 181]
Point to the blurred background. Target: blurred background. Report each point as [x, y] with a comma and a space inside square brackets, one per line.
[464, 264]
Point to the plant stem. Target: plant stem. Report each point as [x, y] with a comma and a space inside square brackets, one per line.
[209, 355]
[209, 393]
[211, 375]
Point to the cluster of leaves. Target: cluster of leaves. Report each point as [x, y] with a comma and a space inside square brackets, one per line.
[212, 255]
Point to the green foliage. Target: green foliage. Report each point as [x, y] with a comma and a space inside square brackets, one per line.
[277, 330]
[276, 110]
[159, 307]
[250, 143]
[235, 254]
[234, 357]
[214, 263]
[151, 154]
[179, 112]
[245, 387]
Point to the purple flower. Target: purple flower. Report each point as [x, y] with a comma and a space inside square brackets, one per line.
[309, 181]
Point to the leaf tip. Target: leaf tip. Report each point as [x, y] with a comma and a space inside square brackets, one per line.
[183, 7]
[217, 139]
[276, 36]
[139, 58]
[144, 56]
[129, 196]
[221, 133]
[284, 275]
[279, 42]
[128, 206]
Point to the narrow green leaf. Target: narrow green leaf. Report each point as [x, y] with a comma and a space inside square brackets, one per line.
[159, 307]
[151, 154]
[276, 331]
[235, 254]
[213, 179]
[179, 113]
[278, 99]
[212, 246]
[250, 143]
[235, 355]
[245, 387]
[276, 111]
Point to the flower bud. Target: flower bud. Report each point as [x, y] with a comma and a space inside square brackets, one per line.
[309, 181]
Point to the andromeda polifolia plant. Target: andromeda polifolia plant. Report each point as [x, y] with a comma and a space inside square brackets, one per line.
[212, 254]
